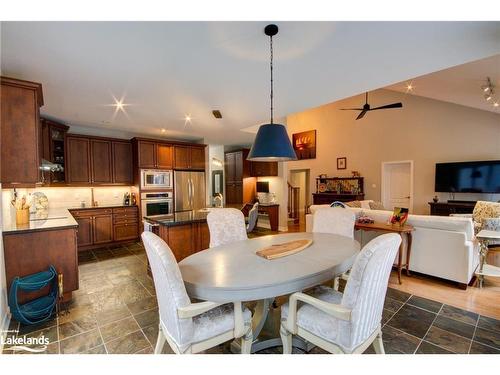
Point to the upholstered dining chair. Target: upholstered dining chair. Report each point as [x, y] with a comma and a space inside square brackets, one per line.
[253, 215]
[349, 322]
[191, 327]
[335, 220]
[226, 225]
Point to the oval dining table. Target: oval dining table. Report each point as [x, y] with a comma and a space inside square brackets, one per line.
[234, 272]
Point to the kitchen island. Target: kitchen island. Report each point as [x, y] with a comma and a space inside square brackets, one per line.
[185, 232]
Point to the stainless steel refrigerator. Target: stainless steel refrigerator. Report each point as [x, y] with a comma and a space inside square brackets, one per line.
[189, 191]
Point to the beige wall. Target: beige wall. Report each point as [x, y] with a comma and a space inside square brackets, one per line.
[426, 131]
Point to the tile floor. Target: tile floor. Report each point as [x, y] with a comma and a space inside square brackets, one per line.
[115, 311]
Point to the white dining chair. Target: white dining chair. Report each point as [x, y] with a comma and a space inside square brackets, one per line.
[191, 327]
[253, 215]
[349, 322]
[226, 225]
[335, 220]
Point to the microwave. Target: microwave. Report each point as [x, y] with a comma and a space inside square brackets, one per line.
[152, 179]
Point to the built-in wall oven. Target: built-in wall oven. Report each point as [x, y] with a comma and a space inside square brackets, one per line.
[155, 204]
[152, 179]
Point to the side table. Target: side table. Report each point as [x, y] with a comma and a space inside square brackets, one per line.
[484, 236]
[405, 230]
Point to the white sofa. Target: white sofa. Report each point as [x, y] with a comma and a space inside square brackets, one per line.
[442, 246]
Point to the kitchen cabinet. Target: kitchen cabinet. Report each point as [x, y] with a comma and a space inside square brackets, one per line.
[53, 149]
[30, 252]
[154, 155]
[102, 229]
[264, 169]
[20, 103]
[146, 154]
[239, 187]
[84, 233]
[164, 157]
[101, 226]
[189, 157]
[122, 162]
[78, 160]
[100, 160]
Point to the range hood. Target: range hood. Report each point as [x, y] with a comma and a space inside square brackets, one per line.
[51, 167]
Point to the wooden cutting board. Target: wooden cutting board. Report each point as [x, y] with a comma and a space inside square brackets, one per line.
[284, 249]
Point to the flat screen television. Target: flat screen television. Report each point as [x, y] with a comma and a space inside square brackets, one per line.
[468, 177]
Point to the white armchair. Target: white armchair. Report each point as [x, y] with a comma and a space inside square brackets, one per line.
[226, 225]
[349, 322]
[335, 220]
[191, 327]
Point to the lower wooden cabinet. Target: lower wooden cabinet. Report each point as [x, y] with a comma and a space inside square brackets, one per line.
[103, 229]
[103, 226]
[124, 232]
[84, 232]
[28, 252]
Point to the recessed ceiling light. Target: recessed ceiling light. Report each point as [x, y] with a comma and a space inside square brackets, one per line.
[495, 104]
[163, 130]
[187, 118]
[409, 87]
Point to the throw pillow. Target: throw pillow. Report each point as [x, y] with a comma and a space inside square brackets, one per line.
[377, 206]
[484, 210]
[356, 204]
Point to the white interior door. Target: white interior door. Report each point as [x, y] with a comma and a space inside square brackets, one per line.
[397, 184]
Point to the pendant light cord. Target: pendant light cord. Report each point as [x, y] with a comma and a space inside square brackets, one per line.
[271, 64]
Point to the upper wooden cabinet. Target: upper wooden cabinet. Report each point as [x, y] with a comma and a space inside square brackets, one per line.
[53, 149]
[146, 154]
[101, 161]
[237, 166]
[98, 161]
[154, 155]
[264, 168]
[122, 162]
[20, 131]
[164, 157]
[78, 160]
[189, 157]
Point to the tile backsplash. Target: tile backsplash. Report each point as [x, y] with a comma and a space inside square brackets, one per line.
[72, 197]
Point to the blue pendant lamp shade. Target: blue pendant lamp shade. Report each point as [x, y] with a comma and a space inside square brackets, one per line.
[272, 144]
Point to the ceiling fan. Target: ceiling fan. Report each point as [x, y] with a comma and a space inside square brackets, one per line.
[366, 108]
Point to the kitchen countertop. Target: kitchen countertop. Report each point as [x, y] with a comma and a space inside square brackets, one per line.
[180, 218]
[53, 218]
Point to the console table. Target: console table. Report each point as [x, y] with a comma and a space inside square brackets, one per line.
[451, 207]
[393, 228]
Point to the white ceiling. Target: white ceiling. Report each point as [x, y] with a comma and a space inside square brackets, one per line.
[460, 84]
[165, 70]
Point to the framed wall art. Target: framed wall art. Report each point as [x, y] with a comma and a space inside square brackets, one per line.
[342, 163]
[304, 144]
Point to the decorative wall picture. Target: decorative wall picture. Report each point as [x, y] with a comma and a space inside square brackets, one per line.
[342, 163]
[304, 144]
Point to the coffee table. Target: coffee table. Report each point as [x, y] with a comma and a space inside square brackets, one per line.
[405, 230]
